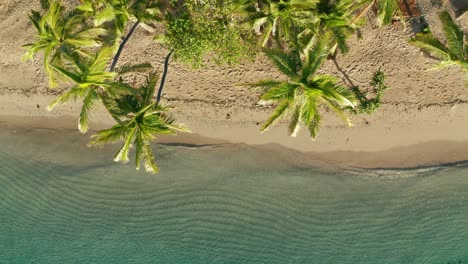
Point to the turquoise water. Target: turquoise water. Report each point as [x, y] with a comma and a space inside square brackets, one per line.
[219, 204]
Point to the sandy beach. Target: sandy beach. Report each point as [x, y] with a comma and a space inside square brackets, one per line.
[421, 122]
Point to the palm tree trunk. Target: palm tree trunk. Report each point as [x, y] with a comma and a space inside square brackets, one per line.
[163, 79]
[344, 74]
[122, 45]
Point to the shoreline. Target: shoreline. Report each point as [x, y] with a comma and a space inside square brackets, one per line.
[371, 144]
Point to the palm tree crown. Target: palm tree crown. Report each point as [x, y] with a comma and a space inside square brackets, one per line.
[140, 119]
[275, 18]
[59, 30]
[302, 95]
[91, 81]
[454, 53]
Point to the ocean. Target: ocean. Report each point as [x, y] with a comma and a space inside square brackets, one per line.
[62, 202]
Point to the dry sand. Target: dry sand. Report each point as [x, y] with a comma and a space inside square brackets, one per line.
[422, 121]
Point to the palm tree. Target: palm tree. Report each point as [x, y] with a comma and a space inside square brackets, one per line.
[140, 119]
[59, 30]
[274, 18]
[306, 91]
[91, 79]
[454, 53]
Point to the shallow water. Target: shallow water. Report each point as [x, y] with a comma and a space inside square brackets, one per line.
[61, 202]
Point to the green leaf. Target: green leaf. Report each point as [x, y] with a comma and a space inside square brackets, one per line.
[68, 96]
[285, 63]
[73, 76]
[112, 135]
[150, 164]
[316, 55]
[105, 15]
[45, 4]
[122, 154]
[431, 45]
[454, 36]
[387, 9]
[294, 124]
[149, 87]
[282, 91]
[129, 68]
[314, 126]
[278, 113]
[88, 103]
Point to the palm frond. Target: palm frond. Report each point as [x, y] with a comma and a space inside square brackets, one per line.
[285, 63]
[388, 9]
[129, 68]
[431, 45]
[316, 55]
[114, 134]
[309, 115]
[148, 159]
[139, 150]
[90, 33]
[314, 126]
[117, 89]
[101, 58]
[454, 35]
[264, 85]
[149, 87]
[340, 38]
[277, 114]
[339, 111]
[122, 154]
[71, 95]
[282, 91]
[45, 4]
[294, 123]
[35, 17]
[104, 15]
[329, 89]
[88, 103]
[69, 74]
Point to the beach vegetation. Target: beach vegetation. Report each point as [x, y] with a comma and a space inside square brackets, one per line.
[369, 101]
[454, 52]
[276, 21]
[60, 30]
[305, 92]
[82, 44]
[195, 30]
[140, 119]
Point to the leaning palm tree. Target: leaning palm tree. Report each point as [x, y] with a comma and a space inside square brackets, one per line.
[59, 30]
[301, 96]
[454, 53]
[91, 81]
[140, 119]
